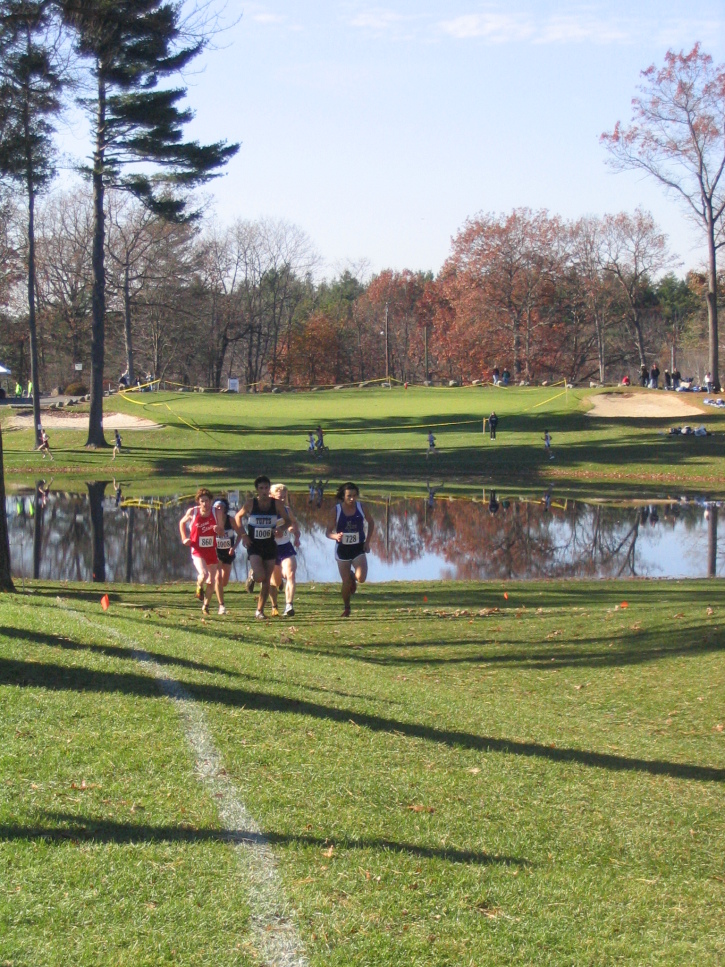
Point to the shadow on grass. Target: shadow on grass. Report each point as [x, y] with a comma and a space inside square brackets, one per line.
[87, 829]
[60, 678]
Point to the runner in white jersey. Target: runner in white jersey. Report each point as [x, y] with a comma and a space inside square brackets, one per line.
[287, 538]
[348, 530]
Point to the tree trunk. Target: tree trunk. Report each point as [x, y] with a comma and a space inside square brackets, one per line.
[96, 493]
[713, 359]
[95, 417]
[34, 373]
[128, 336]
[6, 581]
[712, 543]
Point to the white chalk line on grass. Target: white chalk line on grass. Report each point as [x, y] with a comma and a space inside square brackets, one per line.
[275, 933]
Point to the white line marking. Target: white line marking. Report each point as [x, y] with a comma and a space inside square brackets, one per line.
[275, 933]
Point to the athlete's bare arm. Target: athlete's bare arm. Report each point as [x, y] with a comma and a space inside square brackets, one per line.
[185, 539]
[371, 528]
[332, 532]
[244, 511]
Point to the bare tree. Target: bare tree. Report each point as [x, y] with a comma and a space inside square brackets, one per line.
[633, 253]
[678, 137]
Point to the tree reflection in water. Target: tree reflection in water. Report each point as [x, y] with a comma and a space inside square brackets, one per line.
[78, 537]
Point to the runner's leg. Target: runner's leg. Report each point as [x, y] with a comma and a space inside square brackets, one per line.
[345, 570]
[202, 574]
[289, 569]
[274, 585]
[267, 569]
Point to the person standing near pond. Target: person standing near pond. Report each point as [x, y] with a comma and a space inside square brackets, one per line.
[492, 424]
[202, 539]
[262, 512]
[348, 530]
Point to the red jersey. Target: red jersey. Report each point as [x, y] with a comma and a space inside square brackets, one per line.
[203, 537]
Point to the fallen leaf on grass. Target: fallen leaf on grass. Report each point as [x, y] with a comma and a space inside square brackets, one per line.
[418, 808]
[474, 771]
[484, 612]
[681, 614]
[624, 604]
[328, 852]
[711, 611]
[82, 786]
[491, 912]
[554, 634]
[719, 728]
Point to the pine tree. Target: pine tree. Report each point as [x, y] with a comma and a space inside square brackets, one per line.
[30, 98]
[130, 46]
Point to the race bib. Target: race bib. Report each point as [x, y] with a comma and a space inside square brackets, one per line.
[224, 543]
[206, 542]
[262, 533]
[351, 538]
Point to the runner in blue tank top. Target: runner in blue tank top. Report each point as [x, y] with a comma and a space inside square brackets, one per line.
[262, 513]
[347, 529]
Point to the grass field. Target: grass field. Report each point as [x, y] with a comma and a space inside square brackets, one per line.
[452, 777]
[379, 438]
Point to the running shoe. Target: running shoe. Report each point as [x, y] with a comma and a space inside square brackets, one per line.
[289, 611]
[199, 592]
[249, 583]
[275, 612]
[260, 615]
[222, 609]
[205, 609]
[346, 612]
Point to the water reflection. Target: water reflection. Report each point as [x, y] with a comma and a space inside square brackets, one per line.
[99, 536]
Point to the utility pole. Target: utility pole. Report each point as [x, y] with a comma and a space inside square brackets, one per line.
[425, 344]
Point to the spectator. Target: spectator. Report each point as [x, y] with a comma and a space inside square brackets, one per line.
[492, 424]
[496, 376]
[654, 376]
[505, 377]
[708, 382]
[668, 380]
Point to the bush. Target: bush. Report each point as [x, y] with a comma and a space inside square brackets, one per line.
[76, 389]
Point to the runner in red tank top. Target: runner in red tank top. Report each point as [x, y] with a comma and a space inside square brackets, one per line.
[202, 540]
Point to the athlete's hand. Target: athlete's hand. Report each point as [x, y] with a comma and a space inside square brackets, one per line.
[337, 537]
[186, 541]
[246, 540]
[366, 547]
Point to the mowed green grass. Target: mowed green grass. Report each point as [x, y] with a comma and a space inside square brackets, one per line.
[378, 437]
[467, 779]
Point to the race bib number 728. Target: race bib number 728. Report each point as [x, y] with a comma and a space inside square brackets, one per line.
[350, 538]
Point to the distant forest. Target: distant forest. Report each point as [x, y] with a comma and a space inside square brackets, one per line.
[197, 304]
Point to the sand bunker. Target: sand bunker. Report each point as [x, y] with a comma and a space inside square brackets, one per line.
[58, 420]
[651, 403]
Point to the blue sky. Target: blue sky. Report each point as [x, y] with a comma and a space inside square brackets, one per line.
[379, 128]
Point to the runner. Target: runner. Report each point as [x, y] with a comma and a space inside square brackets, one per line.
[202, 540]
[431, 444]
[44, 444]
[286, 566]
[116, 445]
[347, 529]
[262, 513]
[227, 536]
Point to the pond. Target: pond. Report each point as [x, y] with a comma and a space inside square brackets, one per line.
[87, 537]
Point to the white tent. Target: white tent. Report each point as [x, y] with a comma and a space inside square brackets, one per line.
[4, 371]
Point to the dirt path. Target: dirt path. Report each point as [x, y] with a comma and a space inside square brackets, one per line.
[650, 403]
[54, 420]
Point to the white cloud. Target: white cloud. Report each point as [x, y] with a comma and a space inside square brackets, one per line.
[494, 27]
[267, 18]
[377, 19]
[567, 30]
